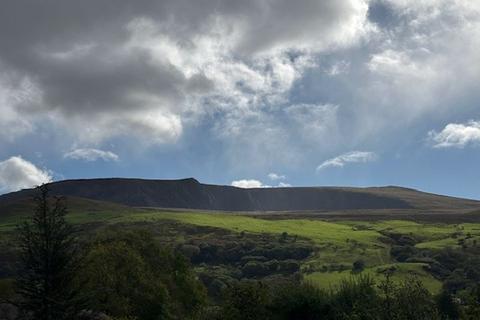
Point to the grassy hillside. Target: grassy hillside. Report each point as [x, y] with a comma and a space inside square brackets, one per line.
[338, 244]
[401, 271]
[80, 210]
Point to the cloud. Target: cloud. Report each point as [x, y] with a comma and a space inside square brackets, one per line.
[281, 137]
[252, 183]
[273, 176]
[17, 173]
[153, 67]
[248, 183]
[15, 92]
[456, 135]
[350, 157]
[398, 79]
[312, 121]
[284, 185]
[278, 82]
[420, 38]
[91, 155]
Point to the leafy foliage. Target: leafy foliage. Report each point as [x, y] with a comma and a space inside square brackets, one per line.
[130, 274]
[355, 298]
[301, 301]
[248, 300]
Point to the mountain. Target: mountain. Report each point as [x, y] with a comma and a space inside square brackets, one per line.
[191, 194]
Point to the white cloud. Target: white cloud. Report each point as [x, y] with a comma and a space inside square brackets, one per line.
[314, 121]
[337, 68]
[17, 173]
[395, 64]
[274, 176]
[350, 157]
[252, 183]
[408, 63]
[284, 185]
[91, 155]
[248, 183]
[15, 92]
[456, 135]
[281, 137]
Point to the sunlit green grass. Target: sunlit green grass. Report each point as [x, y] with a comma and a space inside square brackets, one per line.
[429, 235]
[337, 243]
[318, 231]
[402, 272]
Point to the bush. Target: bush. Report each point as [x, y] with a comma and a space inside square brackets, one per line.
[356, 299]
[253, 269]
[402, 253]
[407, 300]
[247, 300]
[289, 266]
[358, 266]
[448, 308]
[283, 237]
[304, 301]
[190, 251]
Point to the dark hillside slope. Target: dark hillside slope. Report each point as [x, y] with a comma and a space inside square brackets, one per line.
[18, 206]
[424, 200]
[190, 194]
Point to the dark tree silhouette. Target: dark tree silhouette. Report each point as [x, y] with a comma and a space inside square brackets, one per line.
[48, 261]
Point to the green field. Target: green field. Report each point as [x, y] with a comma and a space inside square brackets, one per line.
[401, 272]
[338, 243]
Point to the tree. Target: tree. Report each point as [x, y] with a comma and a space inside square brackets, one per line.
[121, 284]
[300, 301]
[129, 274]
[448, 308]
[471, 300]
[48, 262]
[248, 300]
[356, 298]
[283, 237]
[407, 300]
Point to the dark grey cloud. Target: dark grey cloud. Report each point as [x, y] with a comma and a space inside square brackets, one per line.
[73, 51]
[382, 13]
[103, 69]
[155, 61]
[94, 82]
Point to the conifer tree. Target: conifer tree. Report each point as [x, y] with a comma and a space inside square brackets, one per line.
[48, 261]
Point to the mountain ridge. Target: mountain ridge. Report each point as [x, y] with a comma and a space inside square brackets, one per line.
[189, 193]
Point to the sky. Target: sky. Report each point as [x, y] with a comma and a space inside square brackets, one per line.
[253, 93]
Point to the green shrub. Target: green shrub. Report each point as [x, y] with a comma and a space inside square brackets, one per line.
[300, 301]
[248, 300]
